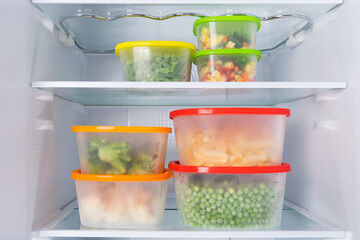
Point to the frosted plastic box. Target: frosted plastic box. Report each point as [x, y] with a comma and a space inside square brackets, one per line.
[230, 197]
[230, 136]
[227, 65]
[121, 150]
[226, 32]
[156, 61]
[121, 201]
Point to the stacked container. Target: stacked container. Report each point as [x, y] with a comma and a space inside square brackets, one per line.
[226, 48]
[122, 181]
[230, 173]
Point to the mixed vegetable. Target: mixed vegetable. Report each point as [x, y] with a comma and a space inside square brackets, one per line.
[220, 41]
[227, 204]
[240, 69]
[160, 67]
[104, 157]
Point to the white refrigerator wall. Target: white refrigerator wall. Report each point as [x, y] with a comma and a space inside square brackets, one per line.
[39, 150]
[322, 135]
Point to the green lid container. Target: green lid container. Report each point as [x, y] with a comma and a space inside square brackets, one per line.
[227, 65]
[226, 32]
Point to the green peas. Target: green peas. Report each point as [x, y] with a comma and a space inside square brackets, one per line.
[225, 204]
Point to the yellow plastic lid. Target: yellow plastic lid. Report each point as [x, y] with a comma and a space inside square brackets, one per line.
[154, 44]
[121, 129]
[77, 175]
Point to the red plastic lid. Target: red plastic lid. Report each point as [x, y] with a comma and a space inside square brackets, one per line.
[176, 167]
[212, 111]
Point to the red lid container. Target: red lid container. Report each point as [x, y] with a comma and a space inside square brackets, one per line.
[176, 167]
[222, 111]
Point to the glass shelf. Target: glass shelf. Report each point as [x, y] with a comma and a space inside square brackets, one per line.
[184, 93]
[97, 26]
[294, 225]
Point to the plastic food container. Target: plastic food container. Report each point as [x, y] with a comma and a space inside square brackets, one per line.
[226, 32]
[156, 61]
[121, 201]
[230, 197]
[121, 150]
[230, 136]
[227, 65]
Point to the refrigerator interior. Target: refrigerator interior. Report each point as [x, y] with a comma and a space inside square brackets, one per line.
[39, 150]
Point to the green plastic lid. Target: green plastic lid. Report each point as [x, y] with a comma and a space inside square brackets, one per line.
[225, 19]
[227, 52]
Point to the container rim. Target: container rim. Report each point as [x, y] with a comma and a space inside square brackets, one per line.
[227, 111]
[124, 129]
[176, 167]
[240, 51]
[177, 44]
[226, 19]
[77, 175]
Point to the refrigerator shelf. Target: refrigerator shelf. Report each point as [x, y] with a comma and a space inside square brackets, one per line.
[184, 93]
[97, 26]
[294, 224]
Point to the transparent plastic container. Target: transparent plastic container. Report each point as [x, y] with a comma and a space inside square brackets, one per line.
[226, 32]
[121, 201]
[156, 61]
[230, 136]
[230, 197]
[227, 65]
[121, 150]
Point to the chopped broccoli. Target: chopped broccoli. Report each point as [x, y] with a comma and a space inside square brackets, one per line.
[142, 164]
[118, 155]
[117, 158]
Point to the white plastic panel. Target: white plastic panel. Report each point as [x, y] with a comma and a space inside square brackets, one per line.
[181, 94]
[104, 35]
[294, 225]
[322, 136]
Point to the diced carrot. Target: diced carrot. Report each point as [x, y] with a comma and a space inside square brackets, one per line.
[236, 69]
[224, 39]
[245, 45]
[232, 75]
[245, 77]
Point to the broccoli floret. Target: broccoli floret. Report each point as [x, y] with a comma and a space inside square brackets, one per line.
[95, 143]
[96, 166]
[143, 164]
[118, 155]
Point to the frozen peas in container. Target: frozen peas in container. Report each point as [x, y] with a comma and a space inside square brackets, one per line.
[230, 197]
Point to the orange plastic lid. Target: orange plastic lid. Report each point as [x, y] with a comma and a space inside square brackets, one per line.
[77, 175]
[121, 129]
